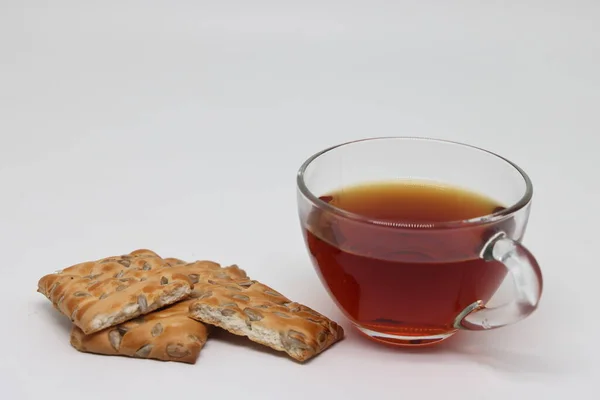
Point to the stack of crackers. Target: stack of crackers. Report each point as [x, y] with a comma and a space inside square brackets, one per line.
[141, 305]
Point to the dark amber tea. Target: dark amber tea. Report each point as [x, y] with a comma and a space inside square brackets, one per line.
[398, 280]
[408, 258]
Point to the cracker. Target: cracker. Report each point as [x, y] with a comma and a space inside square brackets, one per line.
[248, 308]
[167, 335]
[99, 294]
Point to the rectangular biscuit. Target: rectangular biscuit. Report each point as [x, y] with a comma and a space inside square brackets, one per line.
[167, 335]
[99, 294]
[249, 308]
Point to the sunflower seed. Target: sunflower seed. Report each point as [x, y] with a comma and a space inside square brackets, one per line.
[281, 315]
[194, 338]
[121, 287]
[119, 274]
[199, 294]
[253, 315]
[177, 350]
[144, 351]
[114, 337]
[227, 312]
[141, 300]
[164, 280]
[297, 335]
[241, 297]
[157, 329]
[294, 307]
[294, 340]
[146, 267]
[81, 294]
[322, 336]
[73, 313]
[53, 288]
[125, 263]
[194, 278]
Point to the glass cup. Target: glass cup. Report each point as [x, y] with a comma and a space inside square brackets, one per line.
[418, 284]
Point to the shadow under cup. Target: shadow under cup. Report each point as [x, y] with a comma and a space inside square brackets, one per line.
[412, 284]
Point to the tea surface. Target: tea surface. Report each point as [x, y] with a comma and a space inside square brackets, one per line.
[412, 202]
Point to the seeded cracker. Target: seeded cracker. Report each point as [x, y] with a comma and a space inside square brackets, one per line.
[249, 308]
[99, 294]
[167, 334]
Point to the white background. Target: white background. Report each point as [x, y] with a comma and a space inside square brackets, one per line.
[179, 126]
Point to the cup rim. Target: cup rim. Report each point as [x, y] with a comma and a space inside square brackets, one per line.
[489, 218]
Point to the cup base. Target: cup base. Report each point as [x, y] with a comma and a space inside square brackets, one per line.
[404, 341]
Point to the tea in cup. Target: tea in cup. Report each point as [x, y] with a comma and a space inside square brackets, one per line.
[412, 237]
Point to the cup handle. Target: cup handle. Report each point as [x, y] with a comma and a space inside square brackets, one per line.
[527, 278]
